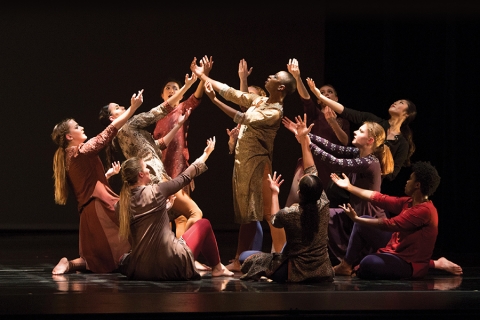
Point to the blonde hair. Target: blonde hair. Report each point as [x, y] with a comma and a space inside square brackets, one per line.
[129, 172]
[380, 149]
[59, 172]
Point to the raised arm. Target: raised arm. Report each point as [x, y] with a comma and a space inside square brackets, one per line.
[208, 150]
[337, 107]
[208, 64]
[294, 69]
[177, 96]
[331, 118]
[304, 139]
[243, 73]
[135, 102]
[275, 183]
[199, 71]
[229, 111]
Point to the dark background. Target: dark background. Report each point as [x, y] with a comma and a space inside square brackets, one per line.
[59, 61]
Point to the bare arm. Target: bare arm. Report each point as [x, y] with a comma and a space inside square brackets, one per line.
[275, 183]
[135, 102]
[331, 118]
[337, 107]
[189, 81]
[229, 111]
[208, 63]
[243, 73]
[208, 149]
[304, 139]
[294, 69]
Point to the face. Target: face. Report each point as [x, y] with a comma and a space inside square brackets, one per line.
[360, 136]
[399, 108]
[274, 81]
[144, 175]
[169, 90]
[411, 185]
[76, 134]
[328, 92]
[115, 110]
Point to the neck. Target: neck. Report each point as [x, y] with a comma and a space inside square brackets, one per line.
[365, 151]
[419, 198]
[395, 124]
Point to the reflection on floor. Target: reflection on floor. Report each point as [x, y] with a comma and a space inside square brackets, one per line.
[29, 290]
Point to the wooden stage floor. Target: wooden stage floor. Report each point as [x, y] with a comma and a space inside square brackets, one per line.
[28, 290]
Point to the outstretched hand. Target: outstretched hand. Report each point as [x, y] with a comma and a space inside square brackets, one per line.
[330, 115]
[342, 183]
[207, 65]
[115, 169]
[209, 90]
[210, 146]
[190, 80]
[289, 124]
[351, 213]
[197, 69]
[275, 182]
[243, 70]
[311, 84]
[293, 68]
[233, 134]
[136, 100]
[302, 129]
[182, 118]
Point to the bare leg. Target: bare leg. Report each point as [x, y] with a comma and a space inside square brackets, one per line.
[448, 266]
[65, 266]
[220, 270]
[343, 269]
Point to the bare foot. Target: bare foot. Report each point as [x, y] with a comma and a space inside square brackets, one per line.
[61, 267]
[343, 269]
[201, 266]
[234, 265]
[447, 265]
[220, 270]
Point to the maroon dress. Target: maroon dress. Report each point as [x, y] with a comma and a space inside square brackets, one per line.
[99, 243]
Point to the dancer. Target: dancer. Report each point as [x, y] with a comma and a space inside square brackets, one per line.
[369, 159]
[253, 152]
[327, 125]
[76, 163]
[136, 141]
[305, 256]
[157, 254]
[399, 136]
[405, 242]
[176, 156]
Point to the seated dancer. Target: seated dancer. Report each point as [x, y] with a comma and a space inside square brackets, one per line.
[157, 254]
[404, 243]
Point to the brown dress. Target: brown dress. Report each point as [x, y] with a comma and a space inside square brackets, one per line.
[99, 243]
[156, 253]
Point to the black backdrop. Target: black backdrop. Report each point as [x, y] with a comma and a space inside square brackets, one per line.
[59, 62]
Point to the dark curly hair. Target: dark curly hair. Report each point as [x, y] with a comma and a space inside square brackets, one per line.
[310, 189]
[427, 175]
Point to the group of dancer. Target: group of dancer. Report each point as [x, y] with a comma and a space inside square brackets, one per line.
[335, 206]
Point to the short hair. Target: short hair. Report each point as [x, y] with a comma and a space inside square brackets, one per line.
[427, 175]
[290, 83]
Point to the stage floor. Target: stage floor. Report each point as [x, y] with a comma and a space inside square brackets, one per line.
[30, 291]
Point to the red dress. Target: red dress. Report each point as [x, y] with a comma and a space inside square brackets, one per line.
[99, 243]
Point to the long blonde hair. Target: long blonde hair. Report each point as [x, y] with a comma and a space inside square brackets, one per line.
[59, 172]
[380, 149]
[129, 172]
